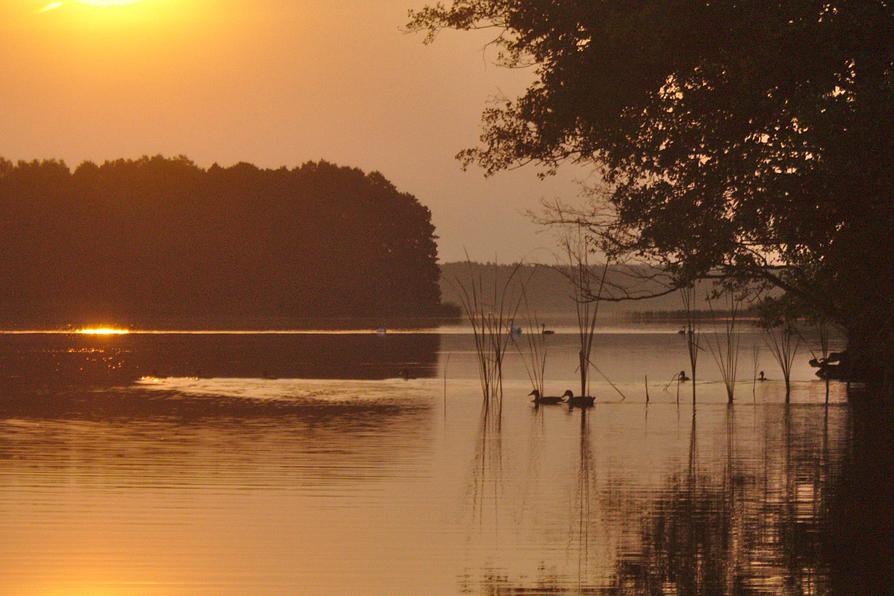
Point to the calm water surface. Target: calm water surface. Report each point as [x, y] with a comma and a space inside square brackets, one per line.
[302, 463]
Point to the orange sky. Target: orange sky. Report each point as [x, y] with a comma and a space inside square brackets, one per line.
[274, 82]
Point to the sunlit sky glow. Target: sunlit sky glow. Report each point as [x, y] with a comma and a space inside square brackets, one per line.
[274, 83]
[93, 3]
[106, 3]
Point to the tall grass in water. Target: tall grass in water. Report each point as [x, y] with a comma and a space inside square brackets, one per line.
[587, 296]
[783, 341]
[823, 332]
[724, 346]
[490, 312]
[693, 334]
[534, 358]
[755, 366]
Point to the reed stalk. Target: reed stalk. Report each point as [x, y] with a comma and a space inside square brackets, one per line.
[693, 334]
[822, 328]
[823, 331]
[490, 311]
[446, 366]
[724, 346]
[586, 302]
[534, 358]
[755, 364]
[783, 341]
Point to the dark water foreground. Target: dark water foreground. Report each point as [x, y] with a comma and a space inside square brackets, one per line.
[304, 464]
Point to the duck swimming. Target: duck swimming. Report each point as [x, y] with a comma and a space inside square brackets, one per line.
[580, 401]
[546, 400]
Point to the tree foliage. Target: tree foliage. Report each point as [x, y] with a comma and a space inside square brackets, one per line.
[752, 140]
[158, 239]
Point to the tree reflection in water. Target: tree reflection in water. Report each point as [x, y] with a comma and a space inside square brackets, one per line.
[746, 512]
[860, 544]
[745, 531]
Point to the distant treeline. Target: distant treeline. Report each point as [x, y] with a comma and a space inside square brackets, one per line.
[549, 290]
[156, 239]
[681, 315]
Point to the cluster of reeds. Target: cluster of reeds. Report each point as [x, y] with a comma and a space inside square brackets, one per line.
[491, 312]
[783, 341]
[587, 296]
[534, 358]
[724, 346]
[693, 334]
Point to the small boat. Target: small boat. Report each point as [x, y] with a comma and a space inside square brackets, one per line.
[835, 367]
[578, 401]
[546, 331]
[546, 400]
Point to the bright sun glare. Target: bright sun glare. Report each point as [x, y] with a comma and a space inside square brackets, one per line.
[94, 3]
[103, 331]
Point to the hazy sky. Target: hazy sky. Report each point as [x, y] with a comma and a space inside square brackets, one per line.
[273, 82]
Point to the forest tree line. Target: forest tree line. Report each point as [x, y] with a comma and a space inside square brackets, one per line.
[162, 240]
[549, 289]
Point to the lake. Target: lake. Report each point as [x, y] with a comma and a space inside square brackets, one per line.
[302, 462]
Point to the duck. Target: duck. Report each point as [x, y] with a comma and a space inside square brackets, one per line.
[546, 400]
[580, 401]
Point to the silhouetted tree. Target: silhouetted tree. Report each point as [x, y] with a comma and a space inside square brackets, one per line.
[158, 239]
[752, 141]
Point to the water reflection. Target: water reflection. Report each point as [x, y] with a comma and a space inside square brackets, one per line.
[584, 494]
[747, 508]
[53, 360]
[859, 547]
[235, 483]
[756, 526]
[487, 470]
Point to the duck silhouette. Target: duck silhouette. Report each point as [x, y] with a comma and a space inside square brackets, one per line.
[546, 400]
[579, 401]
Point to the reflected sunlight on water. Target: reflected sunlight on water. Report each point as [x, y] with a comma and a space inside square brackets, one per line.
[373, 484]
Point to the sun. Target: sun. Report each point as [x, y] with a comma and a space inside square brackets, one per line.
[103, 331]
[93, 3]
